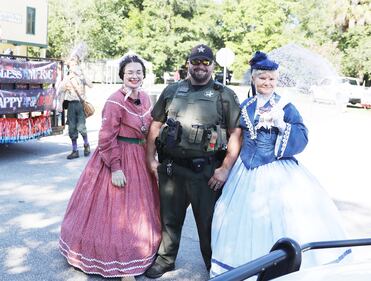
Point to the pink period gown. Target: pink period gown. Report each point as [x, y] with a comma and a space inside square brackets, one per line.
[108, 230]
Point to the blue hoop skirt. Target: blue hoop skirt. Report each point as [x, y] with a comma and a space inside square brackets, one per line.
[262, 205]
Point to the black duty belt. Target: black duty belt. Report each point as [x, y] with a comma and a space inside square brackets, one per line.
[131, 140]
[196, 164]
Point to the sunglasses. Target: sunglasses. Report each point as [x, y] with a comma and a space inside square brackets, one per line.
[198, 62]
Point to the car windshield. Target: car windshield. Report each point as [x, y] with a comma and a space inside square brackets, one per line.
[352, 82]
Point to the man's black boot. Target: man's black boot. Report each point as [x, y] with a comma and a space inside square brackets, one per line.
[157, 270]
[74, 154]
[86, 149]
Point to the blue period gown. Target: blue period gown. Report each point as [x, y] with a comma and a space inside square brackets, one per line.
[269, 195]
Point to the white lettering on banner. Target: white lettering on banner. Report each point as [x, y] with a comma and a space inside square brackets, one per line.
[33, 102]
[40, 74]
[10, 73]
[2, 105]
[29, 102]
[27, 71]
[8, 102]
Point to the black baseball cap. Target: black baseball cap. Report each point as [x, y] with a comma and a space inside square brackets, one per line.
[201, 52]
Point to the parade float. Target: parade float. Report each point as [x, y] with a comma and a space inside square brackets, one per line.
[28, 98]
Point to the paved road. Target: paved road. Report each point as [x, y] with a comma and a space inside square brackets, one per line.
[37, 181]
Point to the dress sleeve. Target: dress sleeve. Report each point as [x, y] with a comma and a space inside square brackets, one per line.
[294, 138]
[108, 144]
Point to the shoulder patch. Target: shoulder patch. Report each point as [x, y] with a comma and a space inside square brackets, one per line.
[182, 90]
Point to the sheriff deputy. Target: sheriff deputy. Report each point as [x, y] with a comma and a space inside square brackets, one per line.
[194, 133]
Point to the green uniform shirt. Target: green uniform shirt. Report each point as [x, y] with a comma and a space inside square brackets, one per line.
[197, 108]
[160, 109]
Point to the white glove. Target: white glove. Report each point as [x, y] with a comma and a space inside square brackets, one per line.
[118, 178]
[277, 115]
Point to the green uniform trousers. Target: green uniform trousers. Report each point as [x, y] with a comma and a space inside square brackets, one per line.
[177, 191]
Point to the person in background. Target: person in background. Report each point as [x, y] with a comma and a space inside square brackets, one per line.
[73, 88]
[183, 70]
[269, 194]
[112, 223]
[197, 118]
[176, 75]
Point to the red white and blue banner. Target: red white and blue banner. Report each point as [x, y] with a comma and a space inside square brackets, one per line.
[17, 101]
[35, 72]
[14, 130]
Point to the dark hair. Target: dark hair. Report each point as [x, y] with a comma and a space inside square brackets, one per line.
[129, 59]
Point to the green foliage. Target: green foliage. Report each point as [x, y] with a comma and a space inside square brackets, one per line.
[163, 31]
[68, 24]
[357, 52]
[338, 30]
[248, 26]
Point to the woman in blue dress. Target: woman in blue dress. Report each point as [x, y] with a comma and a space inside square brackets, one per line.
[269, 194]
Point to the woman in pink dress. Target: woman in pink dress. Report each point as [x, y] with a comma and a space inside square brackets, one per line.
[112, 224]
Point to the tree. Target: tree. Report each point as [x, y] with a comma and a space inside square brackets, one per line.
[340, 31]
[249, 26]
[164, 31]
[66, 25]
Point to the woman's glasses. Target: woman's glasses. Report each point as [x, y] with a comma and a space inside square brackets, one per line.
[198, 62]
[133, 73]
